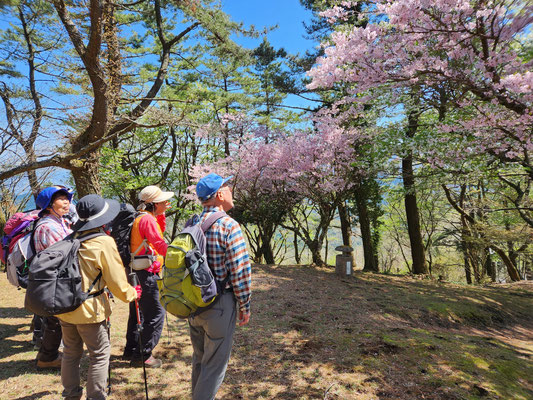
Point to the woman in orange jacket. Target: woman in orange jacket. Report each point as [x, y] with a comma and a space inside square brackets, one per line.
[149, 249]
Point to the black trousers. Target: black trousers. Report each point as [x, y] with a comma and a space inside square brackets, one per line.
[49, 350]
[152, 318]
[37, 324]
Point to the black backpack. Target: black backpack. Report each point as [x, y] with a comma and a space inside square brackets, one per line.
[121, 231]
[54, 280]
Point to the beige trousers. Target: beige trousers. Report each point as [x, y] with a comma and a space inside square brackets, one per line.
[96, 340]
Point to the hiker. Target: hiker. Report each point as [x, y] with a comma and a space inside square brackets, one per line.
[38, 322]
[212, 330]
[54, 203]
[72, 215]
[87, 324]
[147, 240]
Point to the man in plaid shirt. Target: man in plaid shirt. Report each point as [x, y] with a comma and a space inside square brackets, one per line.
[212, 330]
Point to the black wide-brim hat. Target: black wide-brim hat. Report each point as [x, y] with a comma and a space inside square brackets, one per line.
[94, 212]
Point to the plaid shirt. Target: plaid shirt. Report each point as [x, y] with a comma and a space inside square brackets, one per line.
[226, 253]
[51, 229]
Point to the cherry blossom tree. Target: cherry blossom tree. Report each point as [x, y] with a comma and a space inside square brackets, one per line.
[283, 169]
[446, 54]
[473, 47]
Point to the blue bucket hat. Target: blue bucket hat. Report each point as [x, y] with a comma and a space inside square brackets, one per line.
[209, 185]
[44, 198]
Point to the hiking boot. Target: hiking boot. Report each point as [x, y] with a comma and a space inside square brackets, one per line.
[151, 362]
[50, 364]
[127, 355]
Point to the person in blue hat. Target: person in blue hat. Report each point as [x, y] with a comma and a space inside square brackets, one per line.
[54, 203]
[212, 330]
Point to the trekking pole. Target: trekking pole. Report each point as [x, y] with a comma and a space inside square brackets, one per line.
[134, 281]
[109, 365]
[108, 325]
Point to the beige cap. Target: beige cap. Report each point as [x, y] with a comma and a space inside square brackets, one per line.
[153, 194]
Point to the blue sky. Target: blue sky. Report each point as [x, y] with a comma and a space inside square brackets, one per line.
[287, 14]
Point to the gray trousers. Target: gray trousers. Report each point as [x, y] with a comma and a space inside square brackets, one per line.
[97, 342]
[212, 338]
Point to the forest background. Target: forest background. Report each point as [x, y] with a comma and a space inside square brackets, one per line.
[407, 135]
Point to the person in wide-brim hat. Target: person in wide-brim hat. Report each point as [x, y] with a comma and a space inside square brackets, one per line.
[100, 267]
[94, 212]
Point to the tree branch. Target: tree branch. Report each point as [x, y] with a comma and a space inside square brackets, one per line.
[64, 161]
[71, 28]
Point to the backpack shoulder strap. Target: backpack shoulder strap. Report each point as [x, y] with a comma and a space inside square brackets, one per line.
[99, 292]
[141, 214]
[212, 219]
[144, 244]
[38, 222]
[83, 238]
[192, 221]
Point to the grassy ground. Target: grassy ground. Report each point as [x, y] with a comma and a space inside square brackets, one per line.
[314, 335]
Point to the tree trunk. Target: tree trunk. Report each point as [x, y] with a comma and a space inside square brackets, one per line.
[366, 233]
[297, 257]
[266, 248]
[346, 226]
[468, 271]
[314, 247]
[32, 174]
[511, 268]
[34, 183]
[418, 253]
[86, 178]
[489, 266]
[268, 254]
[317, 244]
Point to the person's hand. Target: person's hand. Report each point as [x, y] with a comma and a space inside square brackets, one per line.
[244, 317]
[139, 291]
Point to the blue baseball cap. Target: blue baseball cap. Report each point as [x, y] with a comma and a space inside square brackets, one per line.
[209, 185]
[44, 198]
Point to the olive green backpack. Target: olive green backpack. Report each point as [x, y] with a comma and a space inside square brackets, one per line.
[187, 285]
